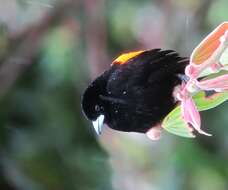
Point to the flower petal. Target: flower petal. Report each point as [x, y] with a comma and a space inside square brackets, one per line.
[208, 53]
[209, 45]
[218, 84]
[191, 115]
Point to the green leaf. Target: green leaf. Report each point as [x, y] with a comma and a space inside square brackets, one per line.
[205, 103]
[173, 122]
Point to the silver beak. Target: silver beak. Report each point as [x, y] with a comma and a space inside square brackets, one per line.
[98, 124]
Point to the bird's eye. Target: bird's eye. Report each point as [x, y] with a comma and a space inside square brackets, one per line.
[97, 108]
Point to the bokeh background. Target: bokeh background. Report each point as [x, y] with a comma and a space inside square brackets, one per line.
[50, 50]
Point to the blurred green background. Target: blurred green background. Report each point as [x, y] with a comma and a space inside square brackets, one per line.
[50, 50]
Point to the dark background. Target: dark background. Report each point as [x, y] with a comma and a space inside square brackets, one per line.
[50, 50]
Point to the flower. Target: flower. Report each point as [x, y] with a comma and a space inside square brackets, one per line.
[205, 56]
[202, 74]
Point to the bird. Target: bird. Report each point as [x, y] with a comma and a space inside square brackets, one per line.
[136, 92]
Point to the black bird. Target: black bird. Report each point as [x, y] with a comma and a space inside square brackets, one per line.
[136, 93]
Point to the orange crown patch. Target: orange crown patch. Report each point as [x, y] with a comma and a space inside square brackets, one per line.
[123, 58]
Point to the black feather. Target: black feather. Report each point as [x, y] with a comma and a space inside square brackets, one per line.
[138, 94]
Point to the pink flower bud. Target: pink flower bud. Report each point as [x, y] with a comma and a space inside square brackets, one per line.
[154, 133]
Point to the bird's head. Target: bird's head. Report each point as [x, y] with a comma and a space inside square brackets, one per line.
[92, 104]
